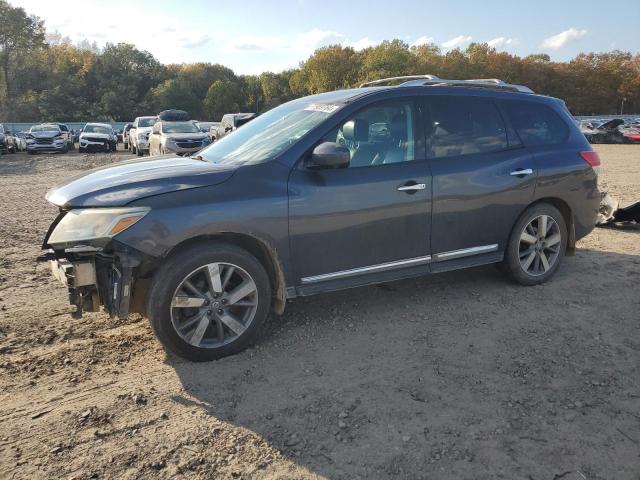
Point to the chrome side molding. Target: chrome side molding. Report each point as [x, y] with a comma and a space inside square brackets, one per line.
[381, 267]
[465, 252]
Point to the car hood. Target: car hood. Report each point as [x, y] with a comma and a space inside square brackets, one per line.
[96, 135]
[180, 136]
[45, 134]
[121, 183]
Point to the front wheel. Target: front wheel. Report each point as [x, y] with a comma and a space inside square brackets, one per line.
[536, 245]
[209, 301]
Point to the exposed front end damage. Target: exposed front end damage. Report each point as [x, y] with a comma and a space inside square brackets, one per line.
[97, 277]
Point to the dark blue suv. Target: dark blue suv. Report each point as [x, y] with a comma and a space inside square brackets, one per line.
[327, 192]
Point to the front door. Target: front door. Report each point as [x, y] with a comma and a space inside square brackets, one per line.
[482, 176]
[372, 218]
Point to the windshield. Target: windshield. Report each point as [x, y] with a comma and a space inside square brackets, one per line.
[45, 128]
[146, 122]
[179, 127]
[269, 134]
[97, 129]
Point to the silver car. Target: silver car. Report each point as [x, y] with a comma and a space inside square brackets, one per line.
[176, 137]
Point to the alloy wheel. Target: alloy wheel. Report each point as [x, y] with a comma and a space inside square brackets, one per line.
[540, 243]
[214, 305]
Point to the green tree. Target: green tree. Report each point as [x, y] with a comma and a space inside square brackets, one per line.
[19, 34]
[120, 78]
[223, 97]
[388, 59]
[329, 68]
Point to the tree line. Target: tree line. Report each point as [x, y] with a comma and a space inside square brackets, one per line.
[49, 78]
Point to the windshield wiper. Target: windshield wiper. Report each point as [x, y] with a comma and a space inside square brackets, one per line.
[198, 157]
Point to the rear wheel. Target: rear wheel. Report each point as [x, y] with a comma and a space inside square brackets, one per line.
[208, 302]
[536, 246]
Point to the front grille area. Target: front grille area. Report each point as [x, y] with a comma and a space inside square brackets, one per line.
[95, 139]
[189, 144]
[44, 141]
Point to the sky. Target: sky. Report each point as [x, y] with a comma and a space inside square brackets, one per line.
[256, 36]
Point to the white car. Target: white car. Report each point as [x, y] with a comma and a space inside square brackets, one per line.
[98, 137]
[176, 137]
[139, 134]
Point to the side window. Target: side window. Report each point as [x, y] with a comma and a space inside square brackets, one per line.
[536, 124]
[463, 126]
[377, 135]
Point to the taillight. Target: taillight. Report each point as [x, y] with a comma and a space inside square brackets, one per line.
[591, 157]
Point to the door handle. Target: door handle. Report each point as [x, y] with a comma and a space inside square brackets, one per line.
[521, 171]
[412, 187]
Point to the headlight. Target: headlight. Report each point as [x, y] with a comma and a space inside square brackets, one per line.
[30, 140]
[91, 223]
[170, 139]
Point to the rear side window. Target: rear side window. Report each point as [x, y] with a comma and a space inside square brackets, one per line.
[536, 123]
[464, 126]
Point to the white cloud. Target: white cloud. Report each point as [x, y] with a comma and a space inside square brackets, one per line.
[363, 43]
[456, 41]
[501, 42]
[424, 40]
[317, 38]
[562, 39]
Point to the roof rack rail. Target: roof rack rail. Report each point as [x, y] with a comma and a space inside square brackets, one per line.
[382, 81]
[434, 81]
[492, 83]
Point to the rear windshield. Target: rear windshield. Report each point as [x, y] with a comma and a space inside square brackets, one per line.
[536, 123]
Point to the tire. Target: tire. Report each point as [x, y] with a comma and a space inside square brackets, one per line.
[190, 264]
[519, 252]
[133, 149]
[31, 152]
[138, 152]
[81, 150]
[126, 145]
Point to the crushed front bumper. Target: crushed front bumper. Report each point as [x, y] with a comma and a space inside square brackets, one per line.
[95, 278]
[46, 147]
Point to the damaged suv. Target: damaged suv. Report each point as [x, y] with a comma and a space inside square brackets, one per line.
[327, 192]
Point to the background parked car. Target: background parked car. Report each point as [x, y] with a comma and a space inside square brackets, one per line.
[232, 121]
[205, 127]
[139, 134]
[12, 143]
[3, 140]
[98, 137]
[21, 137]
[67, 135]
[125, 134]
[212, 130]
[181, 138]
[47, 137]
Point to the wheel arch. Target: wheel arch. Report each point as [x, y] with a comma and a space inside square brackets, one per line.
[260, 249]
[567, 215]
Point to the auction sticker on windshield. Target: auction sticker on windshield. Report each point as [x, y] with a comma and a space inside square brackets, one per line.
[322, 107]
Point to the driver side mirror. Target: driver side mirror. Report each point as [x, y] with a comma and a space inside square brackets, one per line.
[329, 155]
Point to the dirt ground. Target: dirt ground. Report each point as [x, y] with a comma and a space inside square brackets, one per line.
[455, 376]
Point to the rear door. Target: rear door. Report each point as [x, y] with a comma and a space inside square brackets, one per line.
[483, 177]
[353, 224]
